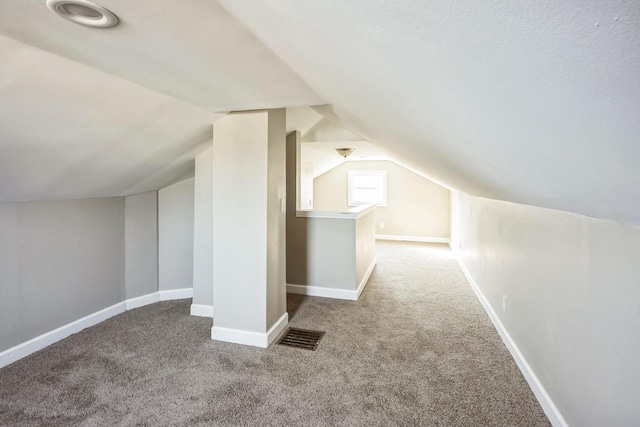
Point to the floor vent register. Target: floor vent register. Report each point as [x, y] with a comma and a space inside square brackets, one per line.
[301, 338]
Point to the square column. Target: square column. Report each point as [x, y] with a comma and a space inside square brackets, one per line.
[249, 236]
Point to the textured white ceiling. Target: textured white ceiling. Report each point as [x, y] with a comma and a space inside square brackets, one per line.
[323, 155]
[328, 131]
[99, 112]
[321, 137]
[530, 102]
[69, 131]
[192, 50]
[302, 119]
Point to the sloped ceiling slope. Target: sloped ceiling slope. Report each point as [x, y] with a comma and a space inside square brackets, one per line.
[325, 131]
[88, 112]
[68, 131]
[530, 102]
[302, 119]
[191, 50]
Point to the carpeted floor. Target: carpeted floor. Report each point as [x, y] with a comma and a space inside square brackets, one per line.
[416, 349]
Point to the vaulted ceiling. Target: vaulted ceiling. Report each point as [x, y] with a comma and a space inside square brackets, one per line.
[70, 131]
[529, 102]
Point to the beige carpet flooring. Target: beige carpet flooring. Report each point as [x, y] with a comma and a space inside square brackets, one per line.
[416, 349]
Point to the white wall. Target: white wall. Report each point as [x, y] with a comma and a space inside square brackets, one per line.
[306, 185]
[321, 252]
[141, 244]
[365, 246]
[175, 235]
[324, 252]
[567, 289]
[203, 230]
[415, 205]
[59, 261]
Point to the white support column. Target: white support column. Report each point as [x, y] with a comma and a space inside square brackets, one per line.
[203, 236]
[249, 258]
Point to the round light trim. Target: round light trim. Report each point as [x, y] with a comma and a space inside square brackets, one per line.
[83, 12]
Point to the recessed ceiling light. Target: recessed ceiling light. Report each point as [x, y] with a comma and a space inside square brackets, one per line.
[83, 12]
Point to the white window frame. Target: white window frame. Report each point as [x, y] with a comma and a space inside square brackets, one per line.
[354, 173]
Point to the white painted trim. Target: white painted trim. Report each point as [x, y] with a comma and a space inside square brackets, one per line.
[172, 294]
[354, 213]
[365, 279]
[352, 173]
[550, 409]
[277, 328]
[327, 292]
[326, 214]
[412, 238]
[201, 310]
[38, 343]
[142, 301]
[238, 336]
[363, 209]
[168, 295]
[256, 339]
[321, 291]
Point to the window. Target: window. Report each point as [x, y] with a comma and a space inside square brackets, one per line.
[367, 187]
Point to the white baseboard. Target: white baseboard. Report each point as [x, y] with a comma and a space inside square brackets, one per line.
[173, 294]
[277, 328]
[202, 310]
[154, 297]
[327, 292]
[412, 238]
[550, 409]
[256, 339]
[321, 291]
[38, 343]
[365, 279]
[151, 298]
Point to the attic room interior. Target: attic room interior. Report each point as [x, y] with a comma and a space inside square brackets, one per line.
[272, 212]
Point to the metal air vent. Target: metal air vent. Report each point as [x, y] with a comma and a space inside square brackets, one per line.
[301, 338]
